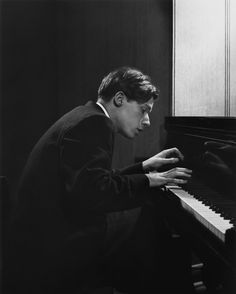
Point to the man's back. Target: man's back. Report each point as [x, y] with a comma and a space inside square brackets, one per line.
[42, 230]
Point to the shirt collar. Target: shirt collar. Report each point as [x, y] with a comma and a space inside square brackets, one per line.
[103, 108]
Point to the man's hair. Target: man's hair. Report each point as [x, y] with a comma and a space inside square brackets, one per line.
[132, 82]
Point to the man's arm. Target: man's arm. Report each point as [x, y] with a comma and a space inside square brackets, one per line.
[89, 182]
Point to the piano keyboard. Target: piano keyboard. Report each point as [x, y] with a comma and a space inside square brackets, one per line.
[210, 219]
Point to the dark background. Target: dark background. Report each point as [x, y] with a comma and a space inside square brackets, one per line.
[54, 55]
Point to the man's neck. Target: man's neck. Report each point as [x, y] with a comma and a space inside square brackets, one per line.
[110, 109]
[100, 103]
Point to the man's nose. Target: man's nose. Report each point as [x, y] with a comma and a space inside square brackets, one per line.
[146, 121]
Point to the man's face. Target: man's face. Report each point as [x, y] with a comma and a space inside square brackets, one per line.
[134, 117]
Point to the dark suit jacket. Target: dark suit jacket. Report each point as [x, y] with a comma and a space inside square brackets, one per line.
[69, 197]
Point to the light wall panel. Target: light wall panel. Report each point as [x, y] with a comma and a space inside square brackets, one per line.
[199, 62]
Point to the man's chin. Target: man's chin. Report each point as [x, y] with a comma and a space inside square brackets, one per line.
[133, 135]
[129, 136]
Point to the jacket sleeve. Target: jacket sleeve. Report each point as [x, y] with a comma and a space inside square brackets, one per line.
[132, 169]
[89, 182]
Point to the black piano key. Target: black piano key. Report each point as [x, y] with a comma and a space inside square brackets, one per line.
[216, 202]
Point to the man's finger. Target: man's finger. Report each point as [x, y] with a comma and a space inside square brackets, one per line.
[178, 153]
[183, 175]
[170, 160]
[176, 181]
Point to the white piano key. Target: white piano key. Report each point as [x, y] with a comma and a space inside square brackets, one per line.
[203, 213]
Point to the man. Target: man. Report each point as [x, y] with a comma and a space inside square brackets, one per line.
[76, 218]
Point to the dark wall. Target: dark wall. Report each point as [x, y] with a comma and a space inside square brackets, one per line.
[28, 95]
[54, 55]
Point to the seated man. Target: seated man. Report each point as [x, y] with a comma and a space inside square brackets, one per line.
[78, 223]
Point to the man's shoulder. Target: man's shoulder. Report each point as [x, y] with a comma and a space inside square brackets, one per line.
[85, 120]
[95, 123]
[88, 114]
[84, 117]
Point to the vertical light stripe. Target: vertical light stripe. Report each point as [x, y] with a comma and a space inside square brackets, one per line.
[232, 43]
[227, 57]
[173, 58]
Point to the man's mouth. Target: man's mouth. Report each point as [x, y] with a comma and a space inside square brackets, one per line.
[138, 131]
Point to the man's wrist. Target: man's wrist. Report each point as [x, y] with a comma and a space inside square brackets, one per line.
[149, 179]
[145, 166]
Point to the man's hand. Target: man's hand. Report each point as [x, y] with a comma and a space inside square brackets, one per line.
[168, 156]
[177, 175]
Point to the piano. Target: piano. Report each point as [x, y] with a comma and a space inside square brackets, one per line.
[203, 211]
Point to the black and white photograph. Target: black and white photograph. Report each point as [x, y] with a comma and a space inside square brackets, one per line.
[118, 146]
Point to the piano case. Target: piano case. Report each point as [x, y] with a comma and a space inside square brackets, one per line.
[209, 148]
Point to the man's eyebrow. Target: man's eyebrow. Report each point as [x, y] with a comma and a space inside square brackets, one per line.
[148, 106]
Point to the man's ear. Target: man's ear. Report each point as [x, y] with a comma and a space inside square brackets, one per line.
[118, 99]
